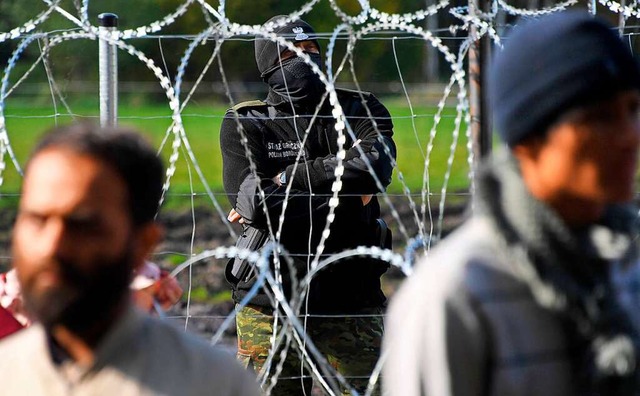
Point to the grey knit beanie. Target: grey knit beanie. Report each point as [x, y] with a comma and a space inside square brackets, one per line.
[554, 64]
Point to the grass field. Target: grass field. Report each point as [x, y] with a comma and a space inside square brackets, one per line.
[26, 121]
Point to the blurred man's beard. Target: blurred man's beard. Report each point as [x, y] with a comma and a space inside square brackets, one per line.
[84, 299]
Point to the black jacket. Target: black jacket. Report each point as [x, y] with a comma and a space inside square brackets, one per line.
[274, 136]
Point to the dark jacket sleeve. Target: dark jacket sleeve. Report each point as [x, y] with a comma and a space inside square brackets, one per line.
[373, 134]
[243, 185]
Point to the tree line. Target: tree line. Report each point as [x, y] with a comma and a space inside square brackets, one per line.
[377, 57]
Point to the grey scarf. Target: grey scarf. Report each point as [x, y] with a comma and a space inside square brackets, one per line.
[568, 272]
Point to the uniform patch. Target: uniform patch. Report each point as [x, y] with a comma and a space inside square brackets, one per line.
[283, 149]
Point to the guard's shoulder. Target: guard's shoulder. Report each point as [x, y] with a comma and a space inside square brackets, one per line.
[250, 104]
[351, 93]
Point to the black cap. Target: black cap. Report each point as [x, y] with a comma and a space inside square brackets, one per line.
[552, 65]
[108, 19]
[267, 51]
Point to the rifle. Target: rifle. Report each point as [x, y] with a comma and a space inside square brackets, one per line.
[240, 270]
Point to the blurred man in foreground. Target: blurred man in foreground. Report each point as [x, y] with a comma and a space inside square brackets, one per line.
[85, 223]
[521, 300]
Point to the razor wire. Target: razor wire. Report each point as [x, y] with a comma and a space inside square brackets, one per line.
[291, 336]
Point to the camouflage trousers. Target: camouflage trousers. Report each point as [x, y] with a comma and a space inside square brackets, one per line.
[351, 344]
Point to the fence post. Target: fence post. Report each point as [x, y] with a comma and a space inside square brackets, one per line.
[431, 69]
[108, 72]
[622, 20]
[479, 57]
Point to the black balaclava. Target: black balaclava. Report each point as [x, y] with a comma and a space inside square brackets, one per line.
[292, 80]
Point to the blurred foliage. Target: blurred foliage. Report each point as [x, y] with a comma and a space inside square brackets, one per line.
[374, 57]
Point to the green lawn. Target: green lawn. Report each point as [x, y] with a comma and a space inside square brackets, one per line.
[25, 122]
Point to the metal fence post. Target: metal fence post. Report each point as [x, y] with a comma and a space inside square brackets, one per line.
[479, 57]
[108, 72]
[622, 20]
